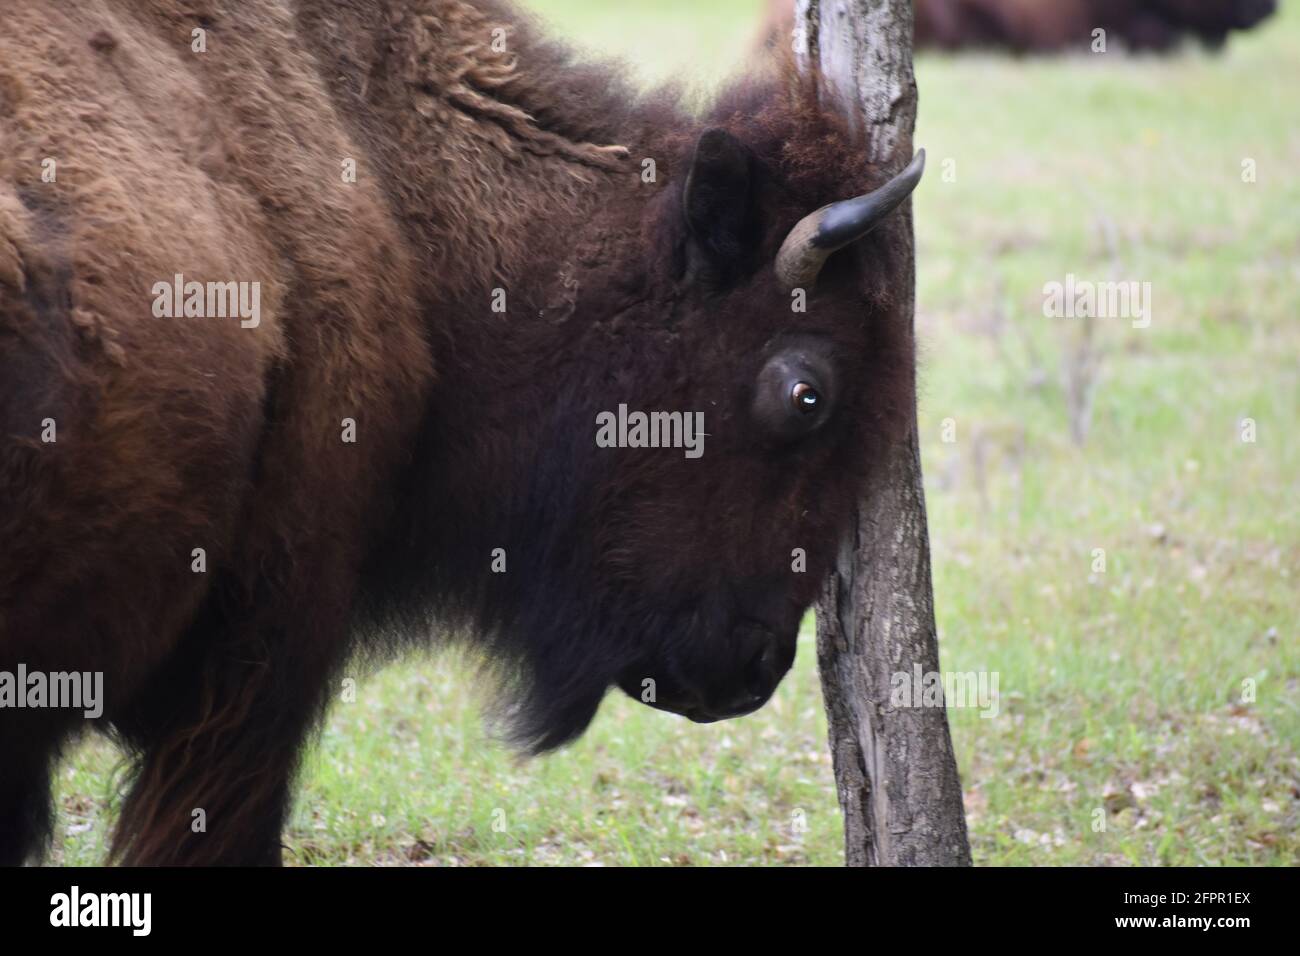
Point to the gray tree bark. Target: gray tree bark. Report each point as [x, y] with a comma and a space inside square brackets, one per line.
[894, 766]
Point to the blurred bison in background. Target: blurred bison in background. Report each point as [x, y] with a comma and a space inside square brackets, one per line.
[1034, 26]
[1026, 26]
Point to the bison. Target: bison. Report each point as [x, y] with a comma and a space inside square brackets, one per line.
[313, 315]
[1025, 26]
[1030, 26]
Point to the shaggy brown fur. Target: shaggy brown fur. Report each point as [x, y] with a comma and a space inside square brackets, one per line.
[477, 169]
[1051, 25]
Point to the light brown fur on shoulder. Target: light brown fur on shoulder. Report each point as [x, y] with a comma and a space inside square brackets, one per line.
[129, 157]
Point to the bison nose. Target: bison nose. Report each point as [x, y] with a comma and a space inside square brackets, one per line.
[761, 673]
[766, 658]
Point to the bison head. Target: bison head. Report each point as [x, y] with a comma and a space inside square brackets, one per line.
[770, 364]
[643, 472]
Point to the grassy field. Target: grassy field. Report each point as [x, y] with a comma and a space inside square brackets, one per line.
[1125, 693]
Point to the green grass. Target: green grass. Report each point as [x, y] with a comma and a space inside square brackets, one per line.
[1121, 692]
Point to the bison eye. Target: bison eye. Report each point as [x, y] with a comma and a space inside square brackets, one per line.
[805, 398]
[795, 394]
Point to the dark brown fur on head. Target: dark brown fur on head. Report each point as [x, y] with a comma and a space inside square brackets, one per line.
[627, 565]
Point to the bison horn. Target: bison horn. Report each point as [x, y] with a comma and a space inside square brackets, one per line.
[833, 227]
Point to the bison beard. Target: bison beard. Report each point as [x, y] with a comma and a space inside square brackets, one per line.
[197, 526]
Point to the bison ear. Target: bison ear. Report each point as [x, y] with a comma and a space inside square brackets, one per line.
[718, 206]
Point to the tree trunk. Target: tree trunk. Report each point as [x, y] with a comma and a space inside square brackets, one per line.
[894, 766]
